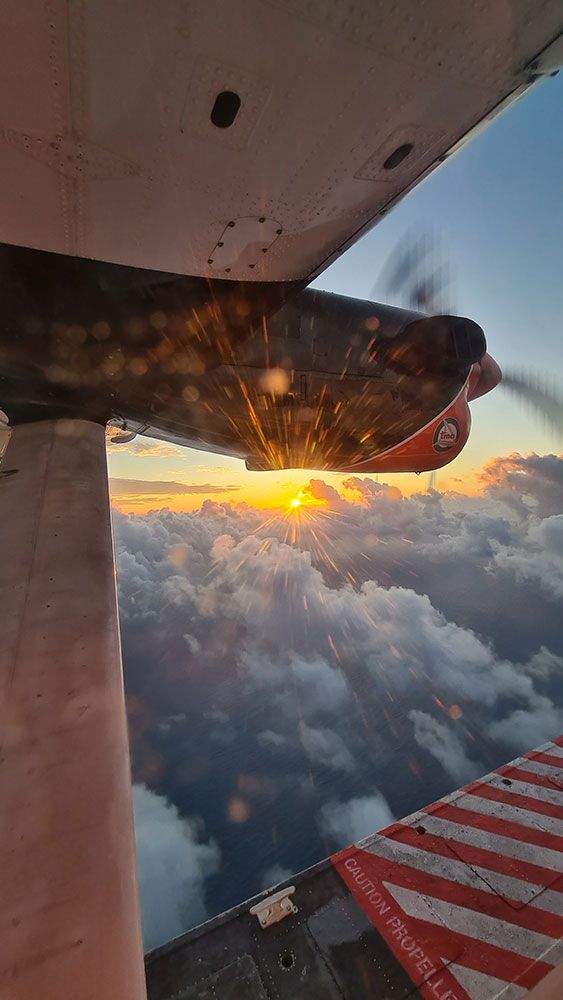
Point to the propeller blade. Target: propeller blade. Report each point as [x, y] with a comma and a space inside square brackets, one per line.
[416, 278]
[535, 391]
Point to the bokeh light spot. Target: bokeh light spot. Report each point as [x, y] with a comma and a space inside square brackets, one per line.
[238, 810]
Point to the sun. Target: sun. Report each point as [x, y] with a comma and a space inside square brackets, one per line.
[302, 501]
[299, 500]
[301, 504]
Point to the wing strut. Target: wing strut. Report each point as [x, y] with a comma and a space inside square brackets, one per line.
[69, 905]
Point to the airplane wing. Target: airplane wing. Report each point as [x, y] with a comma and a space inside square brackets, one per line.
[462, 900]
[249, 140]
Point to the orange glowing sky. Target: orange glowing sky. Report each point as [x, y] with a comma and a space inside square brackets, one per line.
[162, 475]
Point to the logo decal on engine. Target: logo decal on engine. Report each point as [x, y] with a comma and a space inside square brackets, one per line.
[446, 434]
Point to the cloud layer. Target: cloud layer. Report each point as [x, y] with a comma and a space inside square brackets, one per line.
[355, 661]
[163, 488]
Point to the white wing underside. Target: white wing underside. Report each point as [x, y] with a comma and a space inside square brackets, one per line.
[108, 150]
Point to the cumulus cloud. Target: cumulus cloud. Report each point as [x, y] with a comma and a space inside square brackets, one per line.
[302, 665]
[323, 746]
[351, 821]
[538, 557]
[531, 483]
[290, 623]
[529, 727]
[173, 864]
[274, 875]
[445, 745]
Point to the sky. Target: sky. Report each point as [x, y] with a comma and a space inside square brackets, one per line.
[299, 675]
[496, 211]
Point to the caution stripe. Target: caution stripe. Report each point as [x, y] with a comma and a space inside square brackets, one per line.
[538, 766]
[471, 924]
[451, 879]
[430, 930]
[548, 793]
[490, 802]
[550, 758]
[551, 844]
[461, 825]
[554, 747]
[521, 795]
[482, 903]
[445, 864]
[478, 984]
[472, 883]
[430, 854]
[523, 772]
[477, 856]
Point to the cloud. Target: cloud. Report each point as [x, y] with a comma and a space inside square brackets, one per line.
[301, 661]
[214, 468]
[295, 617]
[164, 487]
[529, 727]
[445, 745]
[192, 643]
[323, 746]
[314, 683]
[268, 738]
[173, 864]
[274, 875]
[538, 557]
[291, 624]
[143, 447]
[534, 482]
[351, 821]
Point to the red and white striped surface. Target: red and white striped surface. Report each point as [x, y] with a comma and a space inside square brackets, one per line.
[468, 892]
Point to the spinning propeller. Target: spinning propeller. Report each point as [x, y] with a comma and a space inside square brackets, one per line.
[415, 278]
